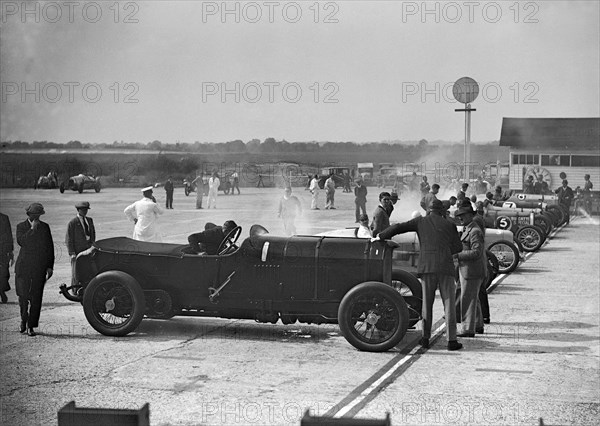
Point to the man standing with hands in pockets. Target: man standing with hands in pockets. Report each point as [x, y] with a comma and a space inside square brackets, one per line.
[81, 234]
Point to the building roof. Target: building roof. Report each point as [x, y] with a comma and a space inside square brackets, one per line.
[576, 133]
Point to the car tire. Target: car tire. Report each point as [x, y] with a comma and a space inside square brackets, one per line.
[411, 290]
[62, 188]
[186, 190]
[531, 237]
[543, 222]
[507, 255]
[97, 187]
[379, 310]
[119, 294]
[558, 213]
[80, 188]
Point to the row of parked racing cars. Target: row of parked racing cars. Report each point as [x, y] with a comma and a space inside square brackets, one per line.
[369, 288]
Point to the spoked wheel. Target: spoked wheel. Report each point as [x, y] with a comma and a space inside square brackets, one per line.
[559, 214]
[373, 317]
[114, 303]
[507, 255]
[530, 237]
[411, 290]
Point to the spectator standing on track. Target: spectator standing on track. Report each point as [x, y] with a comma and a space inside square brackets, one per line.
[429, 198]
[236, 182]
[462, 192]
[81, 234]
[472, 271]
[7, 258]
[144, 214]
[314, 191]
[587, 194]
[565, 196]
[169, 190]
[540, 187]
[213, 190]
[347, 183]
[34, 266]
[381, 215]
[330, 193]
[529, 185]
[438, 241]
[425, 188]
[360, 199]
[289, 209]
[199, 182]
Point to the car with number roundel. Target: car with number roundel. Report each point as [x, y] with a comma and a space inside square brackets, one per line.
[267, 278]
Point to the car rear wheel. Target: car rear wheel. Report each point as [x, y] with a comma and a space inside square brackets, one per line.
[80, 188]
[373, 317]
[186, 190]
[543, 222]
[97, 187]
[113, 303]
[507, 255]
[531, 237]
[411, 290]
[493, 268]
[62, 188]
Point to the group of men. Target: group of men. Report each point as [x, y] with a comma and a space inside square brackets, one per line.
[35, 263]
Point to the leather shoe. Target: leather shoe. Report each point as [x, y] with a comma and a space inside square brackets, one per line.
[486, 320]
[424, 342]
[31, 332]
[479, 330]
[454, 345]
[23, 327]
[465, 335]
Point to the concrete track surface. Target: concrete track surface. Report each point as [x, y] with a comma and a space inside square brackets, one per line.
[539, 358]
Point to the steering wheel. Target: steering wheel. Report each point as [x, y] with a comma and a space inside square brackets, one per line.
[228, 243]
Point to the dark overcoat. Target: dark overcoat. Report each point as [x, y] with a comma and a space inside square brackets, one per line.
[75, 239]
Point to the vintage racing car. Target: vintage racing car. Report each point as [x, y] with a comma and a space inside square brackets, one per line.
[81, 182]
[309, 279]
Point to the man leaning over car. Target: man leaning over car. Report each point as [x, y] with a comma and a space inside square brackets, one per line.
[439, 241]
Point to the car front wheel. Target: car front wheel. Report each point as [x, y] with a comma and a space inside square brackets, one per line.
[373, 317]
[113, 303]
[507, 254]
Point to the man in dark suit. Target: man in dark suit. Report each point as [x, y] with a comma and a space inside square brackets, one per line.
[34, 266]
[211, 238]
[169, 190]
[381, 215]
[6, 255]
[81, 234]
[439, 241]
[472, 264]
[565, 196]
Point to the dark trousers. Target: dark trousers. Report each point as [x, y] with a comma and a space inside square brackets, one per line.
[236, 185]
[360, 205]
[169, 199]
[484, 302]
[4, 276]
[30, 293]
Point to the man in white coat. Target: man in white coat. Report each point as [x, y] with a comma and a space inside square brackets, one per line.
[314, 190]
[144, 214]
[213, 188]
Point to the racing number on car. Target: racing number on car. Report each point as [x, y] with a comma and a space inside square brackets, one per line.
[504, 222]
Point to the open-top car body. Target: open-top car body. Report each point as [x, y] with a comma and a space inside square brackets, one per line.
[80, 183]
[309, 279]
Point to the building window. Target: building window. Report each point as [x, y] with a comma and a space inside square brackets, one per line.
[585, 161]
[527, 159]
[556, 160]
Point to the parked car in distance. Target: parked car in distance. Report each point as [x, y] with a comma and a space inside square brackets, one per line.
[80, 183]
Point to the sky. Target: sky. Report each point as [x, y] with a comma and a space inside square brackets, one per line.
[361, 71]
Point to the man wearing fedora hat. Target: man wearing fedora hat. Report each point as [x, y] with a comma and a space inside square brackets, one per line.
[144, 213]
[81, 234]
[34, 266]
[438, 241]
[472, 264]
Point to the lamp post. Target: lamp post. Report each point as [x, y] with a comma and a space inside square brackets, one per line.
[465, 91]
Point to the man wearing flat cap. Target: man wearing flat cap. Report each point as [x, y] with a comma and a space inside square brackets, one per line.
[438, 241]
[143, 214]
[34, 266]
[81, 234]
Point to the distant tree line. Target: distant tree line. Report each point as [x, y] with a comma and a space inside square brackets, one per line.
[269, 145]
